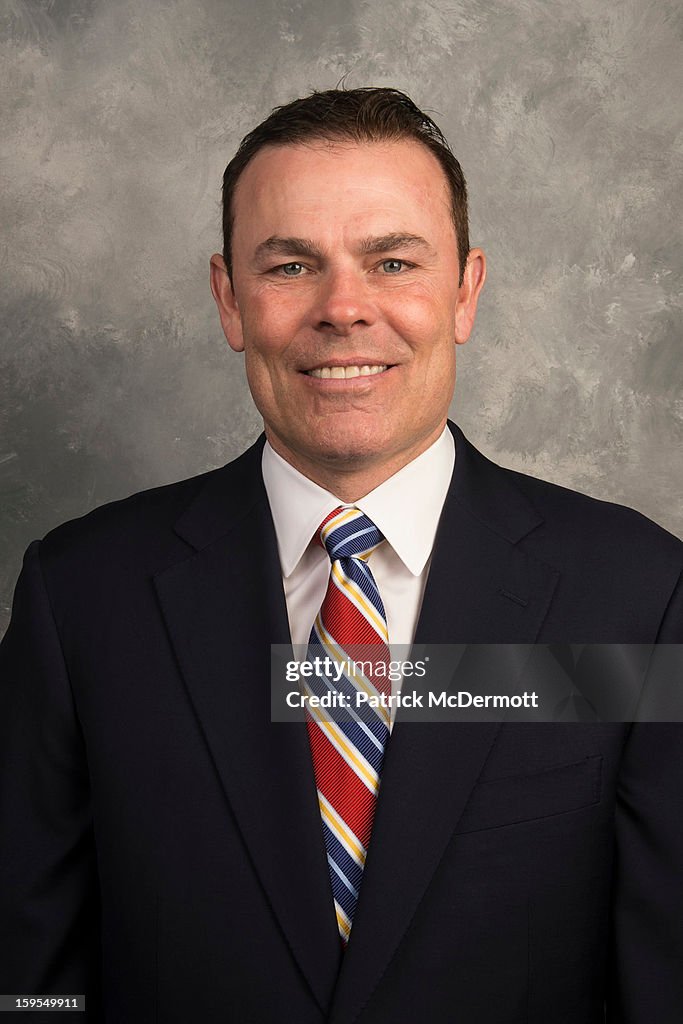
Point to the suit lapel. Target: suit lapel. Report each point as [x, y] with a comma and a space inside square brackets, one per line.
[481, 589]
[223, 608]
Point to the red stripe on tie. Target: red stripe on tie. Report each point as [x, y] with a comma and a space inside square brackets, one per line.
[345, 622]
[340, 785]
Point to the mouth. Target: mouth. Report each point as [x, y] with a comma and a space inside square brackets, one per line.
[347, 372]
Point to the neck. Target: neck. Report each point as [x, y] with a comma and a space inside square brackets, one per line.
[351, 481]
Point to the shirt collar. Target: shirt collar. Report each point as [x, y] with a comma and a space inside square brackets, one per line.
[406, 507]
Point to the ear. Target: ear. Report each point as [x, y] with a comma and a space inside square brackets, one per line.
[228, 310]
[468, 295]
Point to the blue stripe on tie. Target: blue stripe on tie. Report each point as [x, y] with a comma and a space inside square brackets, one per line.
[369, 737]
[360, 534]
[350, 526]
[338, 534]
[365, 729]
[366, 745]
[342, 857]
[343, 895]
[343, 684]
[341, 876]
[346, 547]
[365, 569]
[353, 569]
[321, 684]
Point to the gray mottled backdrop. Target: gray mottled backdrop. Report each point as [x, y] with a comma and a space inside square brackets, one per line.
[117, 120]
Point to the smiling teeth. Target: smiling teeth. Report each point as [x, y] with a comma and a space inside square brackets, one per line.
[341, 372]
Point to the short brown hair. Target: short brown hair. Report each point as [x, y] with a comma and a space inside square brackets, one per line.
[355, 115]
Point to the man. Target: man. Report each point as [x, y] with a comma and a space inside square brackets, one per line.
[165, 849]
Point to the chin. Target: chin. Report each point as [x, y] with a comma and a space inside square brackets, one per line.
[350, 444]
[347, 452]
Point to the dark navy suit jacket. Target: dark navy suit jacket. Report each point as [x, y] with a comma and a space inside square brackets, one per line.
[161, 843]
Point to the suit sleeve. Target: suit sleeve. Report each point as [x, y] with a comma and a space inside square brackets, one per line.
[49, 906]
[646, 964]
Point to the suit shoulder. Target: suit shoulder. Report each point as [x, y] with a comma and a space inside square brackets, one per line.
[557, 520]
[143, 519]
[141, 534]
[594, 522]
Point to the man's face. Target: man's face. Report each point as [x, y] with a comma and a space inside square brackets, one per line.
[346, 301]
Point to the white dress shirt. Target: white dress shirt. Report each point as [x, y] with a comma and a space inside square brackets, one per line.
[406, 508]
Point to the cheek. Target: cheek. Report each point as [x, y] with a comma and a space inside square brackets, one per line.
[268, 334]
[424, 316]
[269, 325]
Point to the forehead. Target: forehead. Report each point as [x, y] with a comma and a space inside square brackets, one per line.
[387, 186]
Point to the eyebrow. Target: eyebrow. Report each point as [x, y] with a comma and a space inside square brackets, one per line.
[395, 240]
[278, 246]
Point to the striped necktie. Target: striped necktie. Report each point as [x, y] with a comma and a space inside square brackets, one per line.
[348, 754]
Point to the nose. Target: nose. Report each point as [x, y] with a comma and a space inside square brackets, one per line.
[344, 301]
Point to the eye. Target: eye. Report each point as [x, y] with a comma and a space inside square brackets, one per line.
[291, 269]
[393, 266]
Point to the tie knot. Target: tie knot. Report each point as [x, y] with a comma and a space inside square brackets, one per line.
[349, 533]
